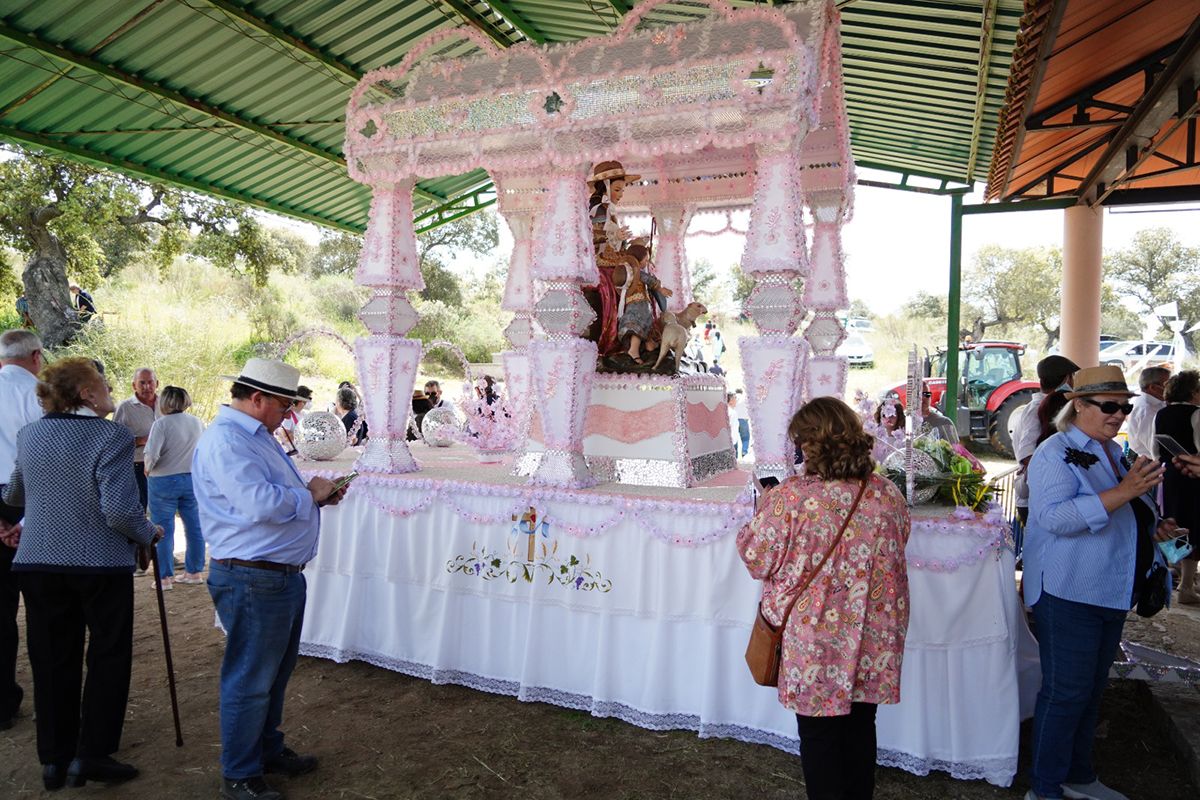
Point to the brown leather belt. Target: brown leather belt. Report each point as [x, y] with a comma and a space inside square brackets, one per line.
[289, 569]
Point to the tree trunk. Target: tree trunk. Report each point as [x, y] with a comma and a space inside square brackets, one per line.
[46, 286]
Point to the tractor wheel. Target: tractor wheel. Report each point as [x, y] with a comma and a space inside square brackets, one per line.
[998, 436]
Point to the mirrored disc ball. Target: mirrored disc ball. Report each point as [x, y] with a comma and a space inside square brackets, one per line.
[320, 436]
[438, 425]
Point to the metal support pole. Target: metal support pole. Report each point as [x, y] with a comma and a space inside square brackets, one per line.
[952, 307]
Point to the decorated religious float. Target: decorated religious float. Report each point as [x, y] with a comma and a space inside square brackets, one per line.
[742, 109]
[602, 573]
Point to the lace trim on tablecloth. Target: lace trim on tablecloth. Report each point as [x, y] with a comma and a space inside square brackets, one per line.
[650, 720]
[996, 771]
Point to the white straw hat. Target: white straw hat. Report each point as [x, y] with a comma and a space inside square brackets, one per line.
[270, 376]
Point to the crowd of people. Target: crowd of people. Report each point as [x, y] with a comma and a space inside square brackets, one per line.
[83, 500]
[82, 495]
[1099, 518]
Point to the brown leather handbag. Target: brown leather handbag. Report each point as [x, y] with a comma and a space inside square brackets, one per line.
[765, 649]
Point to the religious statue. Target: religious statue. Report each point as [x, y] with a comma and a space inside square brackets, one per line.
[642, 299]
[607, 186]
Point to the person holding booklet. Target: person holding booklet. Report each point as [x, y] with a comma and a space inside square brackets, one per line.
[262, 520]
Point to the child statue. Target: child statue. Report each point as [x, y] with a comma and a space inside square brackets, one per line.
[637, 310]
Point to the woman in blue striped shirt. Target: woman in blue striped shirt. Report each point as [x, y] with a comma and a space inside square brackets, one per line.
[1088, 554]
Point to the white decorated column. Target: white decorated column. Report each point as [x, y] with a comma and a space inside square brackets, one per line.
[670, 252]
[562, 366]
[387, 361]
[827, 180]
[825, 294]
[774, 363]
[520, 198]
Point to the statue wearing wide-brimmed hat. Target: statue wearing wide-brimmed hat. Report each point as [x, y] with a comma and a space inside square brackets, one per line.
[607, 184]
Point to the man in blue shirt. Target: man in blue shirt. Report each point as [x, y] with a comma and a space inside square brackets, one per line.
[261, 520]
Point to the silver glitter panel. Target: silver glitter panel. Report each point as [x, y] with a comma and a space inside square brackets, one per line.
[643, 471]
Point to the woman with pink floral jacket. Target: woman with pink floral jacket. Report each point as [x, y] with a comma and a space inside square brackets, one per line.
[844, 639]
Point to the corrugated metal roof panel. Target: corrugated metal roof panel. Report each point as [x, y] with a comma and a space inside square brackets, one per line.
[240, 93]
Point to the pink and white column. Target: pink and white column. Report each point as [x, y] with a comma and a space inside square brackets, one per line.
[387, 361]
[827, 179]
[562, 366]
[519, 198]
[670, 252]
[774, 362]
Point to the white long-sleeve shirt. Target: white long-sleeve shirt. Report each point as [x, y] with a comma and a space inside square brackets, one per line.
[19, 406]
[1024, 442]
[1140, 423]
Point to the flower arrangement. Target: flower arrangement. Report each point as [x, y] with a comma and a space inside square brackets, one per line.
[946, 472]
[957, 476]
[491, 426]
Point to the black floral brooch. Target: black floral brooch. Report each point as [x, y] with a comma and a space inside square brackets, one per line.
[1079, 458]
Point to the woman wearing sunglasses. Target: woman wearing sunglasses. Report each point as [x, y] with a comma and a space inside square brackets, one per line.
[1089, 558]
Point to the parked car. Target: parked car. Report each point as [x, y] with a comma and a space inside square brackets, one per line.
[1129, 354]
[856, 351]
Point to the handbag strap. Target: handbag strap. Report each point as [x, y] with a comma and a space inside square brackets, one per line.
[828, 552]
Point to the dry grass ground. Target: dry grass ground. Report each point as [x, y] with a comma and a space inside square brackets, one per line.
[384, 735]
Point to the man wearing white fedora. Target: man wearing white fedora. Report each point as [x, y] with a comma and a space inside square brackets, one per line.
[261, 520]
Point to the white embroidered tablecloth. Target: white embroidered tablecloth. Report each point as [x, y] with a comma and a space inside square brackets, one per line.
[608, 610]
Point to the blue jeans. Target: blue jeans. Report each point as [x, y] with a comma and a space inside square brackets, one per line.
[1078, 643]
[744, 434]
[261, 612]
[169, 494]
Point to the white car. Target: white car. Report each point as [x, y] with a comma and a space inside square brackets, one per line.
[1130, 354]
[856, 351]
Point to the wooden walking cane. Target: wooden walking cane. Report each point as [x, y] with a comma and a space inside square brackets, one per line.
[162, 617]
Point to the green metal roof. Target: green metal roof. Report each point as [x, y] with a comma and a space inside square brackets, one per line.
[245, 98]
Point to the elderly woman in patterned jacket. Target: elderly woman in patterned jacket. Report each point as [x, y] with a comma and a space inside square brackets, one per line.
[832, 542]
[83, 523]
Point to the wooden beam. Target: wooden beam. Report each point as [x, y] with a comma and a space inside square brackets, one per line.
[985, 63]
[1045, 47]
[1177, 69]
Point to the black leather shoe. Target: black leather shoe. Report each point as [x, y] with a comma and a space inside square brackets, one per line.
[290, 763]
[7, 722]
[248, 789]
[54, 776]
[103, 770]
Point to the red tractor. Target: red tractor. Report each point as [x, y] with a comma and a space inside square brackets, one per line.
[990, 390]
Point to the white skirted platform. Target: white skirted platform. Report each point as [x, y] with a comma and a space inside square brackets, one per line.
[635, 605]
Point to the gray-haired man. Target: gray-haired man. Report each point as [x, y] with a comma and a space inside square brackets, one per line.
[20, 362]
[1140, 422]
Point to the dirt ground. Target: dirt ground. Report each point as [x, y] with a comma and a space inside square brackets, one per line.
[384, 735]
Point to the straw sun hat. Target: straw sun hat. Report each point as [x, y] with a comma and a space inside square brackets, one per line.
[272, 377]
[1100, 380]
[609, 170]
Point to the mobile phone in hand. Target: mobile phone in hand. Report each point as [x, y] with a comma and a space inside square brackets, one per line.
[1167, 444]
[344, 481]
